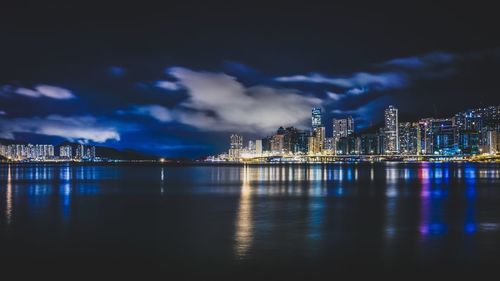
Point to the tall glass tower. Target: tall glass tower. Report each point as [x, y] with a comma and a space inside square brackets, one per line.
[316, 117]
[391, 131]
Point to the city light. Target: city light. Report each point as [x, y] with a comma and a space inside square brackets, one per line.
[467, 135]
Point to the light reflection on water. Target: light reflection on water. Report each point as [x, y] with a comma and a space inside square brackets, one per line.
[316, 203]
[244, 222]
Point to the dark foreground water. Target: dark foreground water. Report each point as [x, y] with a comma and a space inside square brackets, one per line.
[250, 222]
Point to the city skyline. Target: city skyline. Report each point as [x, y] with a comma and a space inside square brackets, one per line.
[467, 133]
[392, 137]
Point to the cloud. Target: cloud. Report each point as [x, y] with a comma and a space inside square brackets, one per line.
[351, 92]
[382, 80]
[335, 96]
[218, 102]
[396, 73]
[357, 91]
[28, 92]
[39, 91]
[54, 92]
[3, 112]
[423, 61]
[84, 128]
[157, 112]
[167, 85]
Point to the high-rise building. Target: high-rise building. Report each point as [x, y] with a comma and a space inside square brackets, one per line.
[468, 142]
[80, 151]
[251, 145]
[266, 144]
[258, 147]
[492, 144]
[236, 145]
[316, 117]
[425, 140]
[277, 142]
[391, 130]
[3, 150]
[302, 141]
[369, 144]
[409, 138]
[90, 153]
[350, 145]
[329, 147]
[381, 141]
[317, 140]
[479, 120]
[343, 127]
[290, 140]
[66, 151]
[442, 137]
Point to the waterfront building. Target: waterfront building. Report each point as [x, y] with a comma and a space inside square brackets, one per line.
[443, 137]
[480, 120]
[492, 144]
[302, 141]
[329, 147]
[369, 144]
[409, 138]
[468, 142]
[258, 147]
[391, 130]
[3, 150]
[66, 151]
[90, 153]
[290, 140]
[236, 145]
[266, 144]
[277, 142]
[317, 140]
[381, 141]
[251, 146]
[80, 151]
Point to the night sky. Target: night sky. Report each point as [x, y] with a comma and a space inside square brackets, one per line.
[176, 78]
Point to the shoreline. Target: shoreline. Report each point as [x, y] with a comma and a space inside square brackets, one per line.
[232, 163]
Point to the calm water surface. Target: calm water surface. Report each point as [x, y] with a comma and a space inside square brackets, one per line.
[279, 222]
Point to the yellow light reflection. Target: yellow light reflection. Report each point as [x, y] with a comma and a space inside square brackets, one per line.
[9, 199]
[244, 223]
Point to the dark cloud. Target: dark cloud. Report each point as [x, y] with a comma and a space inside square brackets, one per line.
[74, 128]
[38, 91]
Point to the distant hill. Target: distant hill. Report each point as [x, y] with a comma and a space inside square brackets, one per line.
[113, 153]
[126, 154]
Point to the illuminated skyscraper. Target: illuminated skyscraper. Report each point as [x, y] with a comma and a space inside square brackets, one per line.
[277, 143]
[66, 151]
[80, 151]
[317, 140]
[442, 137]
[316, 117]
[236, 145]
[343, 127]
[409, 138]
[258, 147]
[391, 130]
